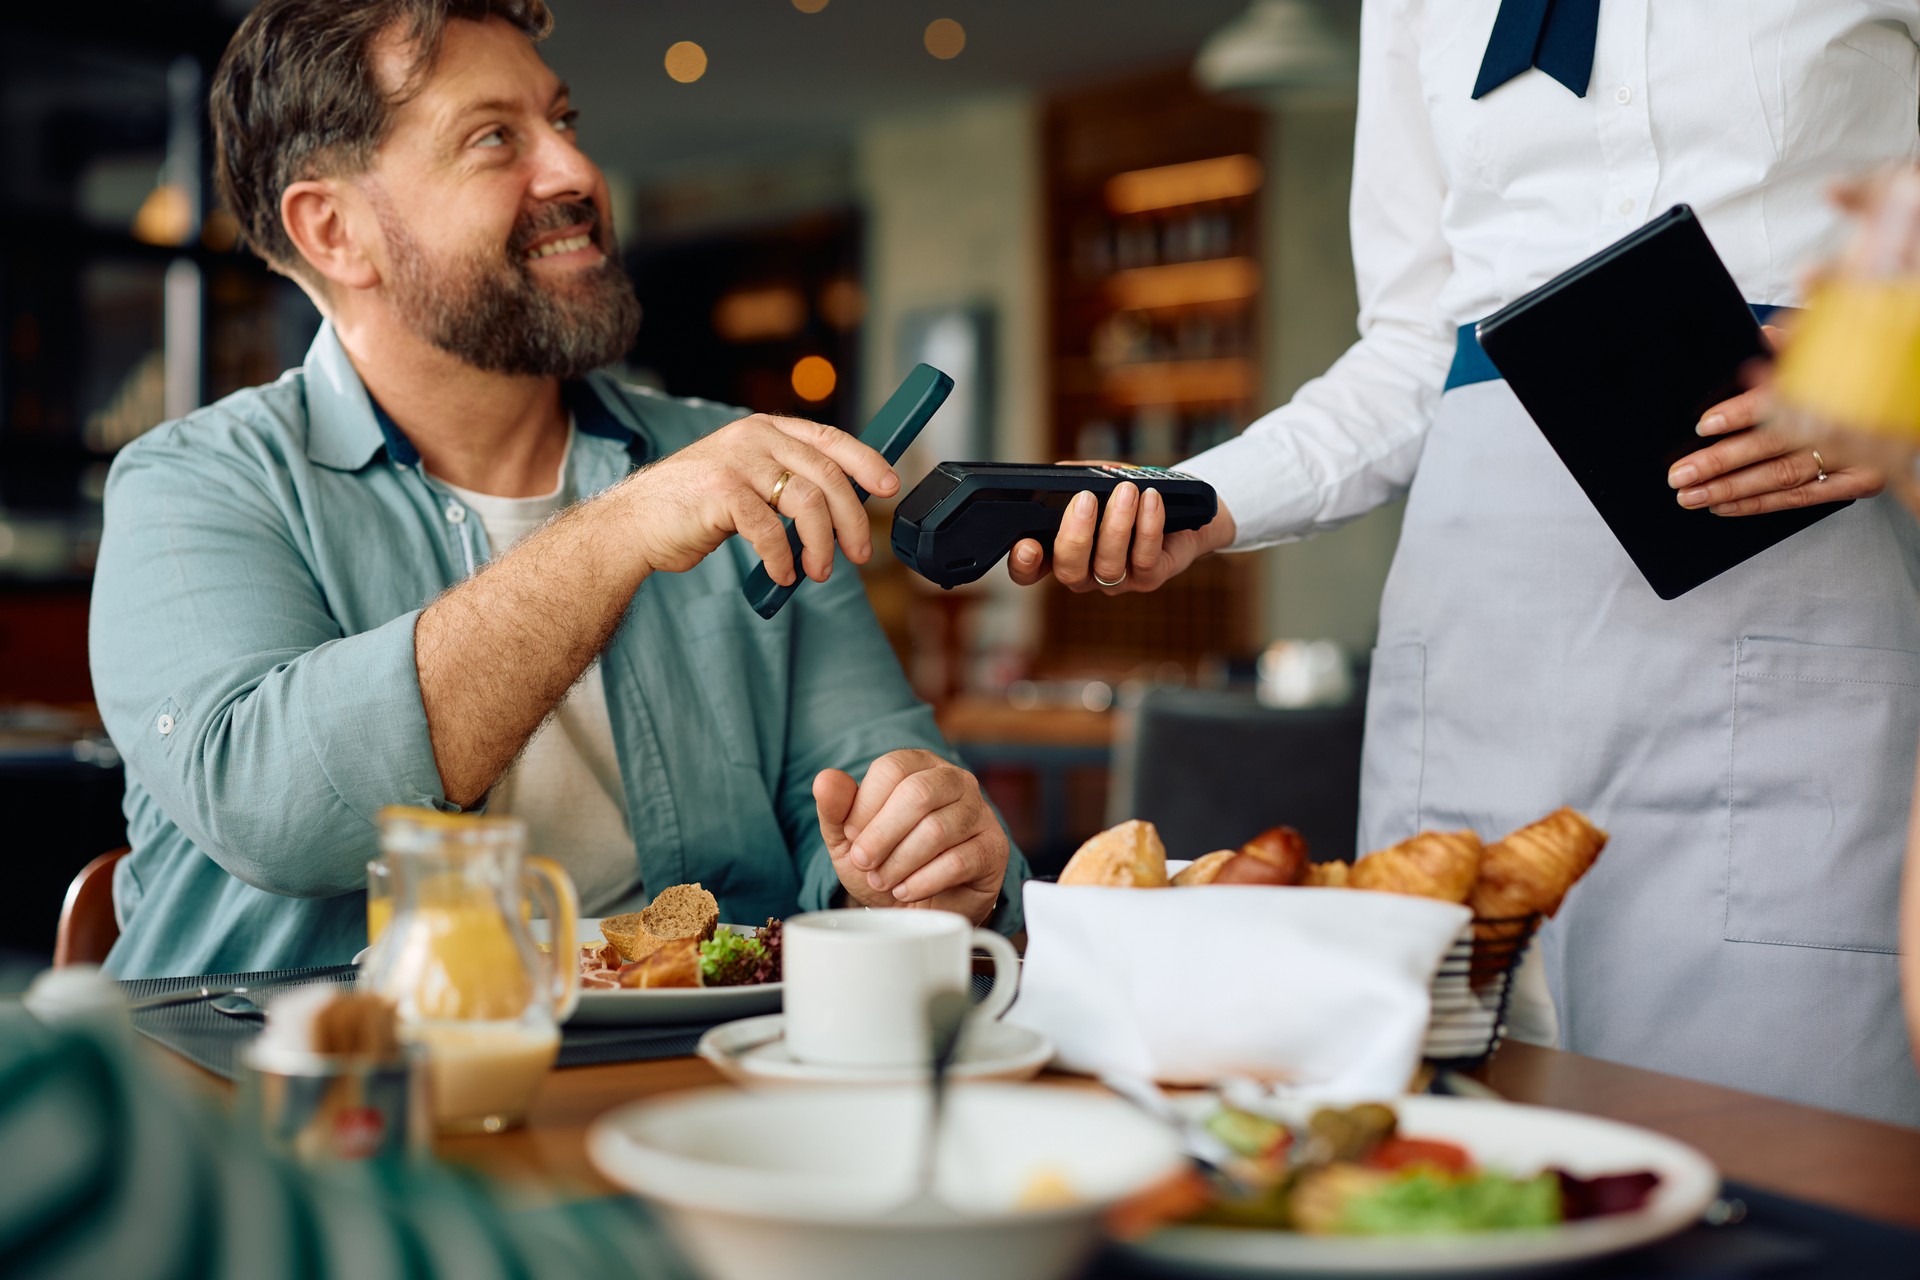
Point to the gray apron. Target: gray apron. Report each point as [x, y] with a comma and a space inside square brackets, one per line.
[1750, 746]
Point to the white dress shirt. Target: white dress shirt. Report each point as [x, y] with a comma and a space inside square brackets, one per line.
[1745, 109]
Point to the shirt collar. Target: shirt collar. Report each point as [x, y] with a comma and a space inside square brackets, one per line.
[346, 428]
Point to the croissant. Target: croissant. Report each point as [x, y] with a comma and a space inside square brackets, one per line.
[1204, 869]
[1532, 869]
[1433, 864]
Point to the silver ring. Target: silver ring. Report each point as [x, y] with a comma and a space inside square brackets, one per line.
[1102, 581]
[1820, 465]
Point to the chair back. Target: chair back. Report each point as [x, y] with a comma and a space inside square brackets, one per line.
[88, 928]
[1213, 769]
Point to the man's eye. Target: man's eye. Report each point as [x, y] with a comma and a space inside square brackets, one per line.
[569, 122]
[492, 138]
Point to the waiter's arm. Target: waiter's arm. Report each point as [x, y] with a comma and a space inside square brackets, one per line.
[1349, 440]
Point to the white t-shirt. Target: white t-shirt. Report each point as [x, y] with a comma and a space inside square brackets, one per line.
[566, 783]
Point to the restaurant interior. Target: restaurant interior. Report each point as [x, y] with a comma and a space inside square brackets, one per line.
[1117, 257]
[1124, 229]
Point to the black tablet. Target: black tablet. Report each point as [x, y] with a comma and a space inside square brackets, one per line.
[1616, 360]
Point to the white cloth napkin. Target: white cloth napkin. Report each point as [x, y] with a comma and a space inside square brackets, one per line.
[1324, 991]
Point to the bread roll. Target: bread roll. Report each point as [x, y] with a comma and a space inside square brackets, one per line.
[1282, 848]
[1328, 875]
[1434, 864]
[679, 911]
[1129, 856]
[1532, 869]
[1244, 868]
[1204, 869]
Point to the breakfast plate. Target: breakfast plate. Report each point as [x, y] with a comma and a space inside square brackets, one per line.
[635, 1008]
[1498, 1135]
[753, 1051]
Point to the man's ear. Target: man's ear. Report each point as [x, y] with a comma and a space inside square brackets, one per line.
[325, 228]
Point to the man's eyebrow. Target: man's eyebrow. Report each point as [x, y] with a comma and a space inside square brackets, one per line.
[502, 106]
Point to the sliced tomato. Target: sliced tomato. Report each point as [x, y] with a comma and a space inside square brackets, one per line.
[1404, 1153]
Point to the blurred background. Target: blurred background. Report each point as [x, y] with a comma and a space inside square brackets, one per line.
[1120, 224]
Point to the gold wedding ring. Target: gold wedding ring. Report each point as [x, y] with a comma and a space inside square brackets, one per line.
[1820, 465]
[780, 487]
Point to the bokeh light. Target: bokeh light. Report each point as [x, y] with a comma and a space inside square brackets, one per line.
[686, 61]
[809, 6]
[945, 38]
[814, 378]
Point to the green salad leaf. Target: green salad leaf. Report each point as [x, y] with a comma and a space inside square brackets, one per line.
[730, 959]
[1428, 1200]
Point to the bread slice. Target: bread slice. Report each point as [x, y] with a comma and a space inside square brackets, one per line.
[1129, 856]
[680, 911]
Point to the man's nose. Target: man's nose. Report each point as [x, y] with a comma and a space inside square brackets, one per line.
[562, 170]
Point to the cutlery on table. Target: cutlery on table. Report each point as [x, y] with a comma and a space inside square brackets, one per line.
[946, 1017]
[1213, 1157]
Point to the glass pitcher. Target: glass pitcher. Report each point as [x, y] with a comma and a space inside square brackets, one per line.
[461, 967]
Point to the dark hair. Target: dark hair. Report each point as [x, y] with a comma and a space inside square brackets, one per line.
[296, 97]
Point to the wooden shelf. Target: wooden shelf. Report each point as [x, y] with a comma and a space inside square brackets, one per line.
[1182, 382]
[1185, 284]
[1153, 239]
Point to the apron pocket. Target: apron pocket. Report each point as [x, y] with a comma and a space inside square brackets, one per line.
[1393, 757]
[1819, 790]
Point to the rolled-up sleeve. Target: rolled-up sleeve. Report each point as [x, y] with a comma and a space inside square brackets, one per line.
[266, 734]
[851, 704]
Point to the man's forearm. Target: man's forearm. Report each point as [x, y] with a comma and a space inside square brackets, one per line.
[498, 652]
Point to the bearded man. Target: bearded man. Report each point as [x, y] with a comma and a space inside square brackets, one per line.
[447, 563]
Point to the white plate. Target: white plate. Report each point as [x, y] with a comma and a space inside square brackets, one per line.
[629, 1007]
[1500, 1135]
[753, 1051]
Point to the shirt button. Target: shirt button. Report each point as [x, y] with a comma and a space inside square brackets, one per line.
[1623, 95]
[164, 724]
[1626, 206]
[456, 513]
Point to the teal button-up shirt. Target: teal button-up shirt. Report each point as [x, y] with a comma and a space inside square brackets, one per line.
[263, 564]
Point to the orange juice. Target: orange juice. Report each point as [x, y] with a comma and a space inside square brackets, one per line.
[484, 1075]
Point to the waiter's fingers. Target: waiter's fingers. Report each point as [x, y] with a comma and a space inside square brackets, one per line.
[1728, 456]
[1742, 411]
[1116, 532]
[1073, 544]
[1839, 486]
[1149, 534]
[1772, 475]
[1027, 563]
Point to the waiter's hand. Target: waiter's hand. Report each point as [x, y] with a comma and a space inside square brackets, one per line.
[1763, 469]
[1128, 550]
[916, 832]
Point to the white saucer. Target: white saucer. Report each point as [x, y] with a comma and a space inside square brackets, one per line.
[753, 1051]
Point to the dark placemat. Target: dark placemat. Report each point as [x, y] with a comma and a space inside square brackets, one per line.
[1778, 1239]
[213, 1040]
[206, 1037]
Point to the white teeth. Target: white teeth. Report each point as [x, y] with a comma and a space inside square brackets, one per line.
[559, 246]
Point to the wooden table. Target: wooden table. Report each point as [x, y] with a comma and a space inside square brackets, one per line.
[1855, 1165]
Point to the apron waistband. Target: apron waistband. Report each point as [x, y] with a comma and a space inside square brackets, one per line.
[1471, 365]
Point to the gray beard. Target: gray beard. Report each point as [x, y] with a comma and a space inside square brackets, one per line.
[493, 314]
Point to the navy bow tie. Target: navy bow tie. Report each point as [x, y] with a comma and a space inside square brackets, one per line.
[1556, 36]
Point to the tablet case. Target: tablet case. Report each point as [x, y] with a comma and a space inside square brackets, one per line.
[1616, 360]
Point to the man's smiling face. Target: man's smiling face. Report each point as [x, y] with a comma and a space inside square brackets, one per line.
[498, 238]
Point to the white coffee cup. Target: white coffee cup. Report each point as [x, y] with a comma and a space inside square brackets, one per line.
[855, 983]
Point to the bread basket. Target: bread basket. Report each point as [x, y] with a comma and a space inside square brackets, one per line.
[1472, 989]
